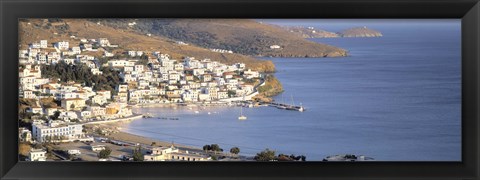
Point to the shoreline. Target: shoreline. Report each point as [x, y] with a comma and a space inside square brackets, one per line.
[118, 133]
[129, 118]
[170, 105]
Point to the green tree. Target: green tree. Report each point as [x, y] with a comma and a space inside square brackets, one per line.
[137, 154]
[214, 158]
[153, 144]
[56, 114]
[44, 118]
[82, 74]
[235, 150]
[206, 148]
[216, 148]
[72, 106]
[104, 154]
[89, 102]
[265, 155]
[231, 93]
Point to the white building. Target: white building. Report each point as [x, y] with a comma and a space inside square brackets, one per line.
[37, 155]
[108, 54]
[54, 131]
[103, 42]
[97, 148]
[24, 135]
[86, 47]
[62, 45]
[132, 53]
[43, 43]
[35, 45]
[120, 63]
[74, 152]
[76, 50]
[275, 47]
[172, 154]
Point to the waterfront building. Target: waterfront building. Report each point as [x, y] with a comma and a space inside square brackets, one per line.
[56, 131]
[173, 154]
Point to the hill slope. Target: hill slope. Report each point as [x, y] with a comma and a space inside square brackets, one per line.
[32, 30]
[242, 36]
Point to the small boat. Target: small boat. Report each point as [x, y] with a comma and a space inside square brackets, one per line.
[242, 117]
[196, 112]
[301, 109]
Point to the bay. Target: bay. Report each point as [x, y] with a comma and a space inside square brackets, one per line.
[395, 98]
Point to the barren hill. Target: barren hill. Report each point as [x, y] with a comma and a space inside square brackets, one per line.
[242, 36]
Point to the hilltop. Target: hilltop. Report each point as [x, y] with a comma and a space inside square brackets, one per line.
[311, 32]
[71, 30]
[243, 36]
[360, 32]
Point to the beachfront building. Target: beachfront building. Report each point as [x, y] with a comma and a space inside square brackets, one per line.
[173, 154]
[117, 110]
[57, 131]
[37, 155]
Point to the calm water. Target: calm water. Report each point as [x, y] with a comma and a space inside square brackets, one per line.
[396, 98]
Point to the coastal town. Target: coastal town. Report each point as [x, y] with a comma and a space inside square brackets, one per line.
[81, 94]
[63, 119]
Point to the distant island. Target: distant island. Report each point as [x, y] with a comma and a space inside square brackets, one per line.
[311, 32]
[360, 32]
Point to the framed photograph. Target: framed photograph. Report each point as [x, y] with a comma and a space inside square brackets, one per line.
[267, 89]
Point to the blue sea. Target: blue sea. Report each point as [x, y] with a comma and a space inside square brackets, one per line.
[395, 98]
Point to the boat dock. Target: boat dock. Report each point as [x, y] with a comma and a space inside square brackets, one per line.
[283, 106]
[287, 106]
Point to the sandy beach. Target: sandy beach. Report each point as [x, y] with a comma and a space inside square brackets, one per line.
[118, 134]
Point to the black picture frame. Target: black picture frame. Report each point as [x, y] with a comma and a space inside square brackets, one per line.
[467, 10]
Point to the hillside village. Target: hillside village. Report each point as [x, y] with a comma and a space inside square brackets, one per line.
[145, 78]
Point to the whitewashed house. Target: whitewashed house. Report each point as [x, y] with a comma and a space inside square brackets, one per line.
[62, 45]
